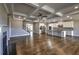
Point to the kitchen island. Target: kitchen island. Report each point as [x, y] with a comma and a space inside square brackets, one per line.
[18, 32]
[61, 33]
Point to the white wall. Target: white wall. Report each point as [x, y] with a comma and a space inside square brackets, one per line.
[36, 27]
[17, 24]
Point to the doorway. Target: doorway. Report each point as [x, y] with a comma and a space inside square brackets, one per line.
[42, 28]
[29, 28]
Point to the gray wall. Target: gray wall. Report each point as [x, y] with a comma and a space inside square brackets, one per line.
[3, 24]
[3, 15]
[36, 27]
[76, 28]
[17, 24]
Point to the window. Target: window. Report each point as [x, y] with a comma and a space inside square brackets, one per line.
[0, 29]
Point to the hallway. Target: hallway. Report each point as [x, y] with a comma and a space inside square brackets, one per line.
[44, 45]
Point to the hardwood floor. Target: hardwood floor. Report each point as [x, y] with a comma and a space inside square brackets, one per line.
[44, 45]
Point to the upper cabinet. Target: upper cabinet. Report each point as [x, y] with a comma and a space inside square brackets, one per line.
[3, 15]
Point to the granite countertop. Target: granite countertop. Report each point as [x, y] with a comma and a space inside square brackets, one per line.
[64, 29]
[18, 32]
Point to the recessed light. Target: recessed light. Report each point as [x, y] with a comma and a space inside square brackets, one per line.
[24, 18]
[76, 7]
[19, 17]
[32, 16]
[59, 14]
[68, 16]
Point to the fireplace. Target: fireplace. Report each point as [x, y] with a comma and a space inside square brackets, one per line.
[5, 43]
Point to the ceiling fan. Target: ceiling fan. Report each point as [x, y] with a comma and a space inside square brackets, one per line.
[40, 15]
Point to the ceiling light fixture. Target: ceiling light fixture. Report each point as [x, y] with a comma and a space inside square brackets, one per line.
[32, 16]
[68, 16]
[76, 7]
[19, 17]
[48, 8]
[24, 18]
[59, 14]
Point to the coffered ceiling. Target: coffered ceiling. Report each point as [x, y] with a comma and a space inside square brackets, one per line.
[49, 10]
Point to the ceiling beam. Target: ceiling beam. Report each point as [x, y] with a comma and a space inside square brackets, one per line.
[37, 9]
[20, 14]
[6, 8]
[12, 7]
[60, 12]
